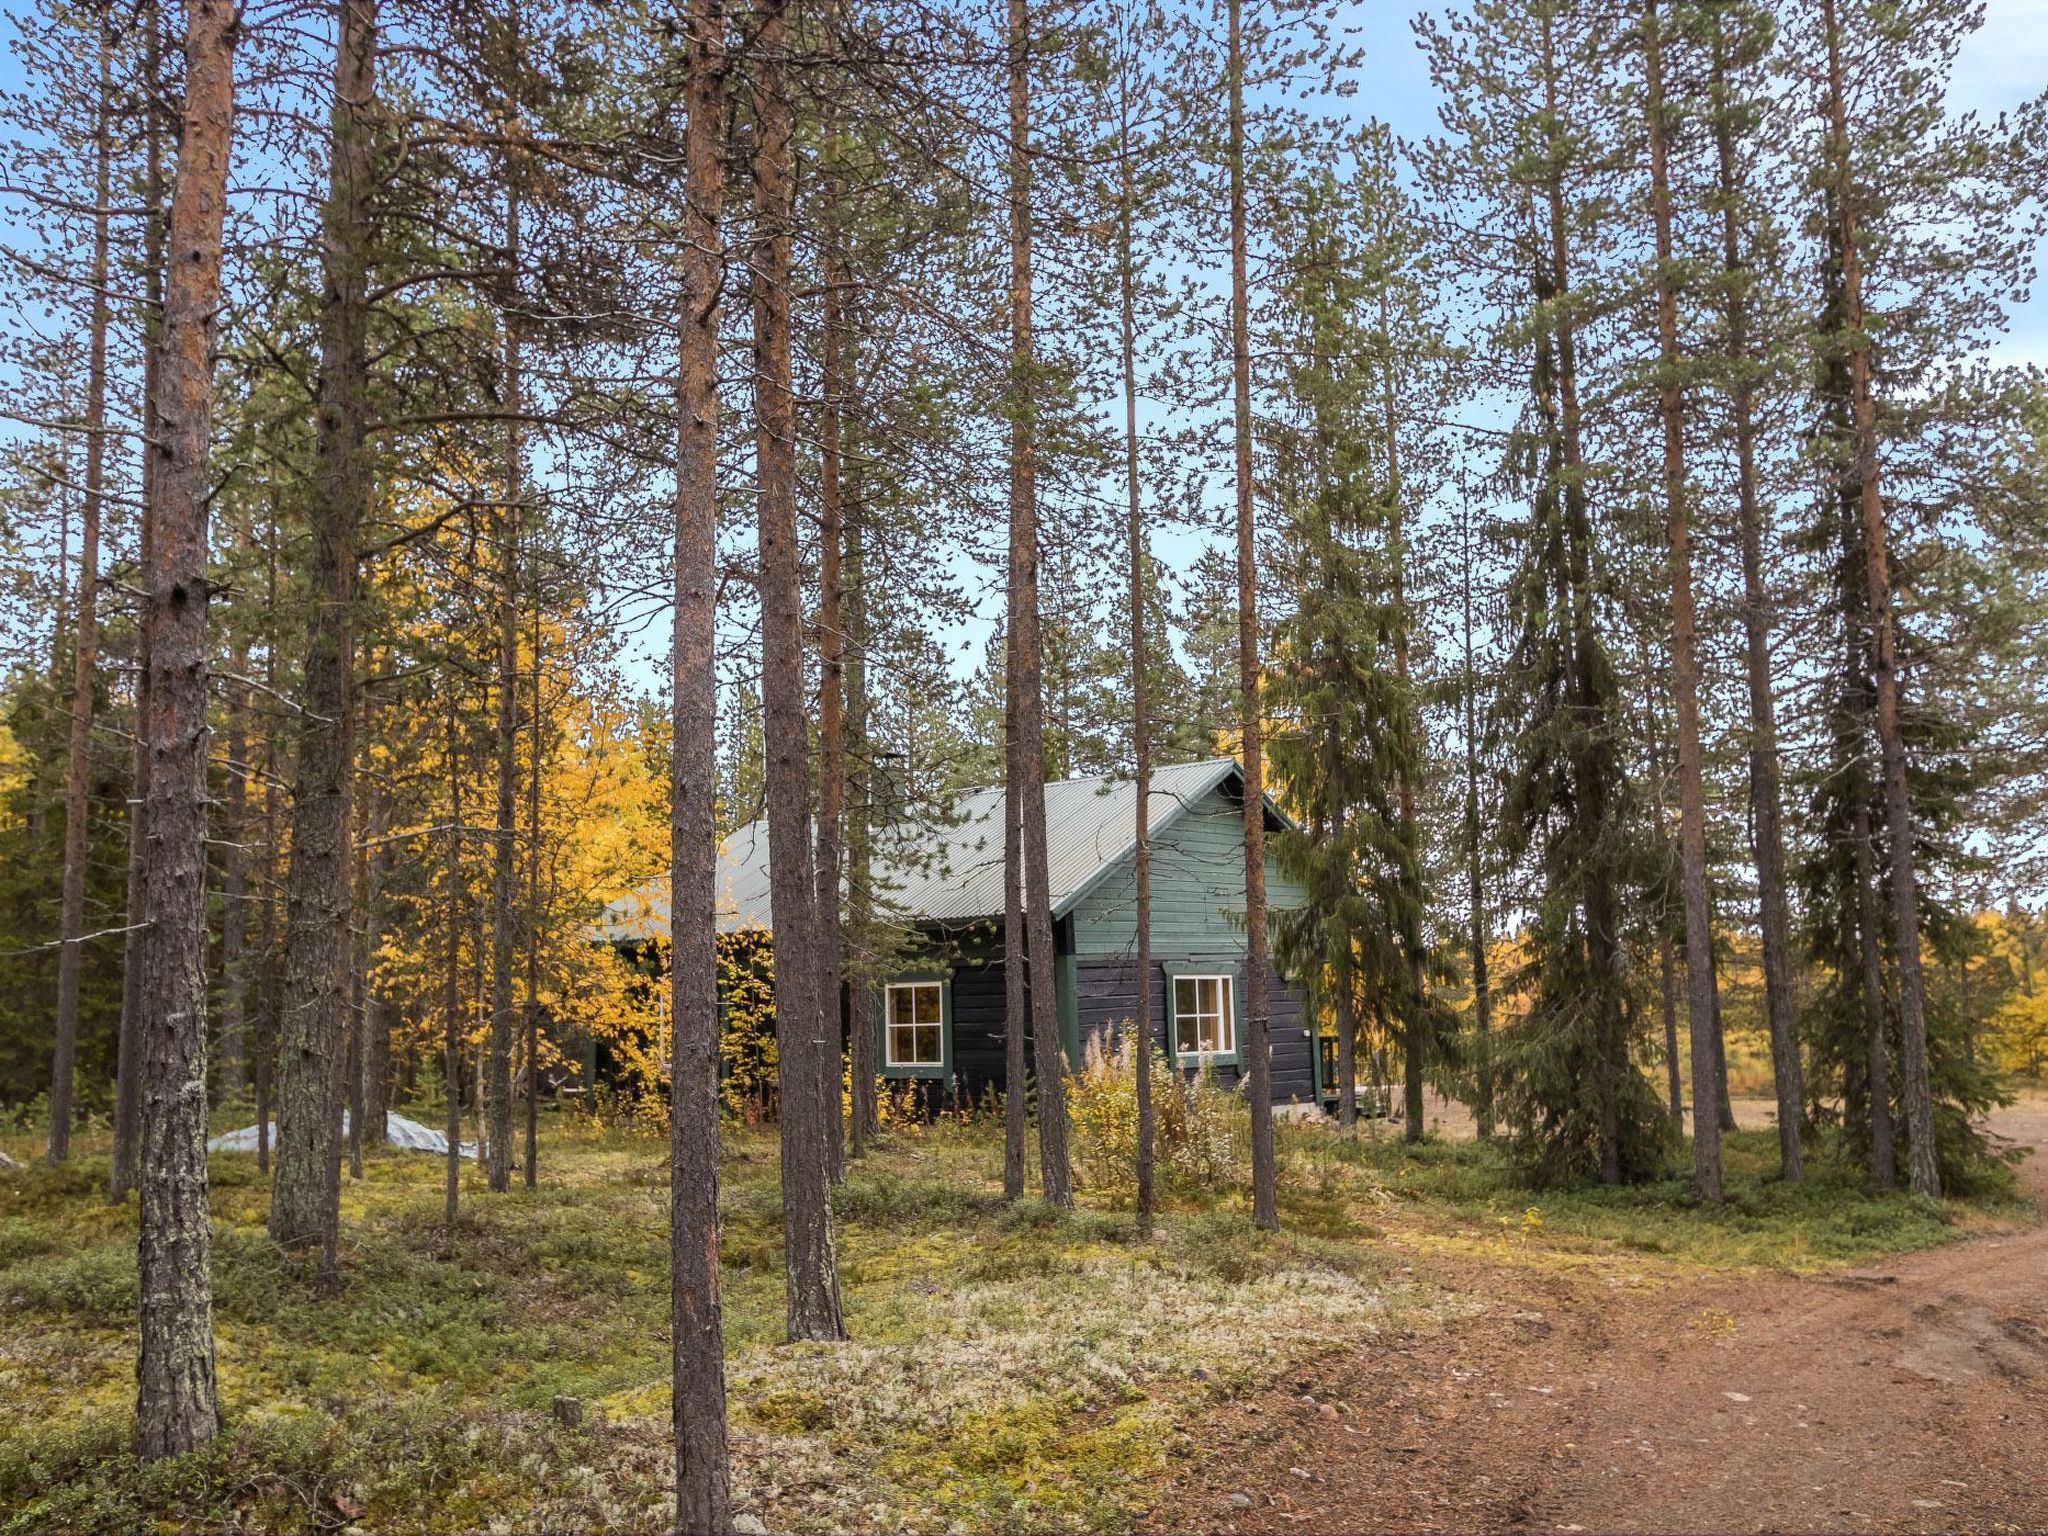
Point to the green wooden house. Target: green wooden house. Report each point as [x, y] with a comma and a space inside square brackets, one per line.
[941, 1019]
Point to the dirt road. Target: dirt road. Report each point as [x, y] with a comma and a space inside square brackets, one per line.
[1909, 1396]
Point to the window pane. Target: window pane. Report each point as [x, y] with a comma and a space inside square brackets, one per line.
[902, 1005]
[927, 1002]
[927, 1044]
[899, 1045]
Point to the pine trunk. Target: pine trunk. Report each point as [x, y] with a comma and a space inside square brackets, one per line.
[1766, 798]
[504, 851]
[451, 979]
[1257, 1053]
[1702, 1012]
[304, 1201]
[697, 1364]
[176, 1407]
[1048, 1056]
[860, 841]
[1141, 704]
[831, 644]
[85, 648]
[810, 1268]
[533, 917]
[1924, 1170]
[1482, 1000]
[127, 1079]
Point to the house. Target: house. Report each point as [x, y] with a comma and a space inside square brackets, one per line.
[941, 1017]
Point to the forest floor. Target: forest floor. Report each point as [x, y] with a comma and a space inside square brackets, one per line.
[1427, 1344]
[1909, 1394]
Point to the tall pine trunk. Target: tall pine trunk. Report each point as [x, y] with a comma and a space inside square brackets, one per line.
[1257, 1054]
[1766, 798]
[303, 1207]
[504, 848]
[270, 968]
[175, 1405]
[697, 1362]
[128, 1067]
[1924, 1170]
[860, 837]
[1475, 877]
[810, 1269]
[533, 914]
[1027, 756]
[1701, 1011]
[1141, 703]
[451, 978]
[831, 638]
[85, 648]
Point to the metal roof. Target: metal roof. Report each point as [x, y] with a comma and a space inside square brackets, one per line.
[951, 871]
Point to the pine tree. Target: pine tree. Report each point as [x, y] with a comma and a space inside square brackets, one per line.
[176, 1401]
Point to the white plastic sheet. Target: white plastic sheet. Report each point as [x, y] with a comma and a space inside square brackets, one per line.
[400, 1131]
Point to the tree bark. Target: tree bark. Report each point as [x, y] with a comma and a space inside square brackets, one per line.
[85, 649]
[128, 1080]
[176, 1407]
[451, 979]
[1482, 1000]
[860, 841]
[810, 1268]
[697, 1363]
[536, 742]
[1701, 1011]
[234, 923]
[1017, 772]
[831, 637]
[304, 1201]
[1766, 799]
[498, 1171]
[1257, 1053]
[1141, 703]
[1924, 1170]
[269, 973]
[1049, 1061]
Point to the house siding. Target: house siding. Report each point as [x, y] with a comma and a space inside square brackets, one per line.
[1197, 887]
[1108, 986]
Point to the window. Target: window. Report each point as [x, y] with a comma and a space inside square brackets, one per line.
[1204, 1020]
[916, 1018]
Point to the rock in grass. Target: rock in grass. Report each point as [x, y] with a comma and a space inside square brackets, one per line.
[568, 1411]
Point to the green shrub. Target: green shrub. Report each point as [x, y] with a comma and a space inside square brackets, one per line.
[1201, 1130]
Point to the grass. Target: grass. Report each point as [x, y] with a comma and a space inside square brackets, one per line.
[1464, 1194]
[1010, 1368]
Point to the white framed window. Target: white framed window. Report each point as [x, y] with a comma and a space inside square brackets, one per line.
[1204, 1016]
[914, 1032]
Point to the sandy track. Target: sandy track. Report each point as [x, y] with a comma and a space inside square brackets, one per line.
[1908, 1396]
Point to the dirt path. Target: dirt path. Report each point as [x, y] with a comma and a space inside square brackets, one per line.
[1908, 1396]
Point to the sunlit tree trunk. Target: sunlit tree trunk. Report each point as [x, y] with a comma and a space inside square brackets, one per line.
[176, 1407]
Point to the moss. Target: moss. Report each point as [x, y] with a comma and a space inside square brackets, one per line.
[1012, 1367]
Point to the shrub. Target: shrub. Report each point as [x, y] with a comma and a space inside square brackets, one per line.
[1201, 1130]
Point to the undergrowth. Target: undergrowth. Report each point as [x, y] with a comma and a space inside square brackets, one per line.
[1011, 1367]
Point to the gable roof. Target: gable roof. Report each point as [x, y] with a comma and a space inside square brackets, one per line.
[952, 872]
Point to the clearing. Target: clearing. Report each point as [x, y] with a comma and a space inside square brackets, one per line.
[1428, 1344]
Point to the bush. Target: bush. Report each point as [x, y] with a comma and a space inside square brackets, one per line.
[1201, 1130]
